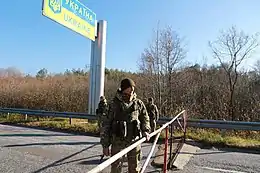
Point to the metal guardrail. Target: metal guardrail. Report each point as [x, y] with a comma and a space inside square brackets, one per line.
[43, 113]
[196, 123]
[165, 122]
[220, 124]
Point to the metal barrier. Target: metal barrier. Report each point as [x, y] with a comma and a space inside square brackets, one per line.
[120, 154]
[165, 122]
[220, 124]
[196, 123]
[43, 113]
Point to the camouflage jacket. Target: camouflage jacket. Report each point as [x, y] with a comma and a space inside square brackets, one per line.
[130, 113]
[153, 111]
[101, 112]
[102, 108]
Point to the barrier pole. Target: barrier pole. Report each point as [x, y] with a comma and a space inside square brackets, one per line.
[171, 141]
[165, 150]
[185, 124]
[115, 157]
[150, 154]
[112, 159]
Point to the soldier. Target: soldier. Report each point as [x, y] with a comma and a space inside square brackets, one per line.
[127, 122]
[153, 113]
[101, 112]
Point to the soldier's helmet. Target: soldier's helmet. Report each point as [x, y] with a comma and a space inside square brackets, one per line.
[126, 83]
[102, 98]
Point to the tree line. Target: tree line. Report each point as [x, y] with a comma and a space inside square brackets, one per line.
[220, 91]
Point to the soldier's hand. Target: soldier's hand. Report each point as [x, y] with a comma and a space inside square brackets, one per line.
[106, 151]
[147, 136]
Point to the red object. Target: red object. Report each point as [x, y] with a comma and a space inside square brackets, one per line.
[165, 150]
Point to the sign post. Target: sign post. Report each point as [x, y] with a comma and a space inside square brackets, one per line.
[79, 18]
[91, 79]
[97, 73]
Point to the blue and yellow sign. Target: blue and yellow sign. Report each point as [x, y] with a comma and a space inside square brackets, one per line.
[73, 15]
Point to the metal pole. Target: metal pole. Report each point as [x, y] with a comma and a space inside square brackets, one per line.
[97, 72]
[171, 142]
[92, 74]
[91, 79]
[150, 154]
[95, 77]
[115, 157]
[165, 150]
[100, 59]
[185, 124]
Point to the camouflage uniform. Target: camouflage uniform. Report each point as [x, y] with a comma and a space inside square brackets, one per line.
[101, 112]
[153, 113]
[127, 122]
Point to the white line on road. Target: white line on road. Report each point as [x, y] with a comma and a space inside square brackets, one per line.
[222, 170]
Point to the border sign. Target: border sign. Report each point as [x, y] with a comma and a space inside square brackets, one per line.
[73, 15]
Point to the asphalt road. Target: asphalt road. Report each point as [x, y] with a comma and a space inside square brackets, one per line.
[26, 150]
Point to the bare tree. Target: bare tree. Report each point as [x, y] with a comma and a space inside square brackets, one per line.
[173, 52]
[159, 61]
[231, 48]
[10, 72]
[257, 67]
[150, 66]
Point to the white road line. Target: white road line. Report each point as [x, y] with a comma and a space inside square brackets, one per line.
[222, 170]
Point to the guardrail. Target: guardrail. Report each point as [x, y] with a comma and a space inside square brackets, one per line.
[197, 123]
[165, 122]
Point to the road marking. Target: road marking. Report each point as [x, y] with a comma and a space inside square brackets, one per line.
[222, 170]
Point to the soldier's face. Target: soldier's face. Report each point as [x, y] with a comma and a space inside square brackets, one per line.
[127, 93]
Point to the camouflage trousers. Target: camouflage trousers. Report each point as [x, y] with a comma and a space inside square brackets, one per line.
[153, 125]
[133, 157]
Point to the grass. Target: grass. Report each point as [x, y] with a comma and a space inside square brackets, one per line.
[64, 125]
[78, 125]
[214, 137]
[227, 138]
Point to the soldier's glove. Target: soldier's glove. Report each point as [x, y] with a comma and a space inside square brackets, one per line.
[146, 135]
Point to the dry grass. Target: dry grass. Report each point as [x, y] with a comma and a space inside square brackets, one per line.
[215, 137]
[61, 93]
[230, 138]
[64, 125]
[243, 139]
[78, 125]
